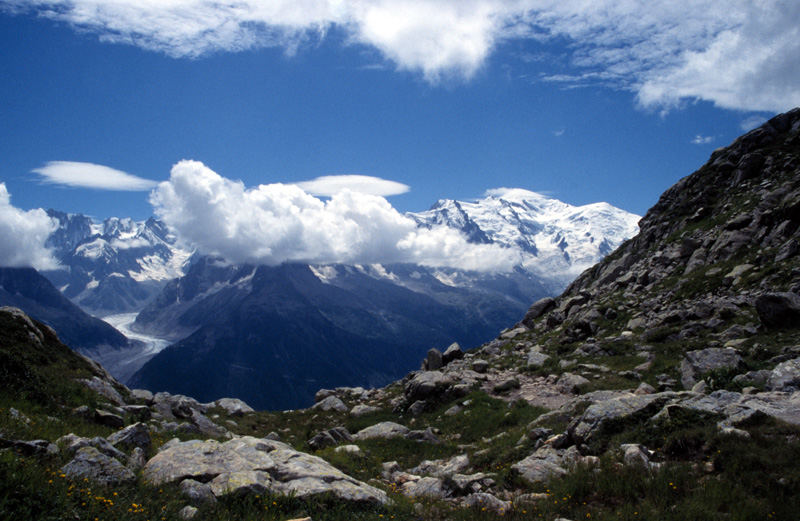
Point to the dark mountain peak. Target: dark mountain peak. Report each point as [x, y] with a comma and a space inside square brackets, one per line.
[26, 289]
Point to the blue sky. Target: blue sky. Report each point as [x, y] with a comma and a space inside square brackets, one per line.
[599, 101]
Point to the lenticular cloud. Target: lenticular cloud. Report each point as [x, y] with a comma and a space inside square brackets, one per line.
[276, 223]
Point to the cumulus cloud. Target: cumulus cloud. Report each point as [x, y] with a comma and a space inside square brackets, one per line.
[329, 185]
[90, 175]
[23, 235]
[737, 54]
[702, 140]
[276, 223]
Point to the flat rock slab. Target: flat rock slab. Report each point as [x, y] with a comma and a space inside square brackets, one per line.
[249, 464]
[697, 363]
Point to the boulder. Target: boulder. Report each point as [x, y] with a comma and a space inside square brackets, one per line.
[89, 463]
[251, 465]
[188, 513]
[778, 310]
[785, 376]
[537, 359]
[481, 500]
[136, 435]
[108, 419]
[506, 385]
[433, 361]
[442, 467]
[104, 388]
[329, 438]
[539, 308]
[695, 364]
[197, 493]
[362, 410]
[206, 426]
[453, 352]
[480, 366]
[234, 406]
[570, 383]
[142, 395]
[425, 487]
[604, 416]
[426, 384]
[540, 466]
[385, 430]
[331, 403]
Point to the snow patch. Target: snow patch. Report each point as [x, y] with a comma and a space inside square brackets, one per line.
[326, 274]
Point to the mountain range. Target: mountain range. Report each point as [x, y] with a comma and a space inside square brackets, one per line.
[273, 335]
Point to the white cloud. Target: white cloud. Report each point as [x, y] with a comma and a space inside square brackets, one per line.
[275, 223]
[90, 175]
[702, 140]
[738, 54]
[23, 235]
[329, 185]
[752, 122]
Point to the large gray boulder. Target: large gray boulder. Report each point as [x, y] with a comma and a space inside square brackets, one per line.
[540, 466]
[453, 352]
[330, 403]
[426, 384]
[695, 364]
[785, 376]
[385, 430]
[606, 415]
[433, 361]
[136, 435]
[254, 465]
[89, 463]
[778, 310]
[539, 308]
[234, 406]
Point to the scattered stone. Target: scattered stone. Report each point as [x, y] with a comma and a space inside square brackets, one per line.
[329, 438]
[91, 464]
[695, 364]
[385, 430]
[426, 384]
[142, 395]
[137, 459]
[187, 513]
[109, 419]
[136, 435]
[537, 359]
[644, 388]
[362, 410]
[433, 361]
[103, 387]
[570, 383]
[197, 493]
[234, 406]
[540, 466]
[30, 447]
[785, 376]
[480, 366]
[539, 308]
[349, 449]
[453, 352]
[331, 403]
[488, 501]
[417, 407]
[506, 385]
[778, 310]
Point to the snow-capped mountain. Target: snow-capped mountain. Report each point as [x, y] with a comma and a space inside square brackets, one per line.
[115, 266]
[557, 240]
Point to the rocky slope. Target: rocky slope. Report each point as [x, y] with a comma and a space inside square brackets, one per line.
[663, 384]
